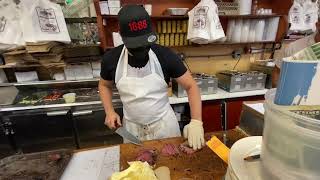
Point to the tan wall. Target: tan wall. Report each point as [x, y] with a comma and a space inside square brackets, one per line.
[213, 65]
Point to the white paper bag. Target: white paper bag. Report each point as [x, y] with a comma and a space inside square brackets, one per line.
[296, 17]
[42, 20]
[204, 24]
[310, 17]
[10, 30]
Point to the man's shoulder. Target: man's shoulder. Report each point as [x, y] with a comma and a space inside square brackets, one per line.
[112, 56]
[116, 51]
[163, 53]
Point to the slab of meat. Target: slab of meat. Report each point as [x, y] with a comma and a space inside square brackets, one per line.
[148, 155]
[184, 147]
[170, 150]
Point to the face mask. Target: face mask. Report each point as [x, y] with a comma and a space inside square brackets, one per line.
[140, 53]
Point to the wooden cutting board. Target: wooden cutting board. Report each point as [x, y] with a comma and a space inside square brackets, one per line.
[204, 164]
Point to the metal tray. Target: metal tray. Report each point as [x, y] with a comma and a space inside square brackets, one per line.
[47, 165]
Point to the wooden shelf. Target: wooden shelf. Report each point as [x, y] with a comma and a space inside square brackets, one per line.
[7, 66]
[249, 16]
[81, 20]
[49, 82]
[109, 23]
[216, 43]
[221, 16]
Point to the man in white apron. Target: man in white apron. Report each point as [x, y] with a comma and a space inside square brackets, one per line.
[141, 70]
[292, 49]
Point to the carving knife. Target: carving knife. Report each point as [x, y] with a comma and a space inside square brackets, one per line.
[128, 136]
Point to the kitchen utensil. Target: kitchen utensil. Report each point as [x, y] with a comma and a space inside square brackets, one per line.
[127, 135]
[69, 97]
[252, 158]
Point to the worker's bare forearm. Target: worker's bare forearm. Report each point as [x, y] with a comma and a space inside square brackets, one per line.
[105, 90]
[194, 102]
[190, 85]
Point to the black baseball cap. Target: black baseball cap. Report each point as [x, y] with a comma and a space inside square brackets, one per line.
[136, 27]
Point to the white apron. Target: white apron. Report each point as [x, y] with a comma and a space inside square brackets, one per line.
[147, 112]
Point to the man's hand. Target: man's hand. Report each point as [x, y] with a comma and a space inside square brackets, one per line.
[195, 134]
[112, 120]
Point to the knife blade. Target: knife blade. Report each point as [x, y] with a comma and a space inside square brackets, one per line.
[127, 135]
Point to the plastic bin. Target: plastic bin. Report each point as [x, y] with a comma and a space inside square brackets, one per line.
[291, 143]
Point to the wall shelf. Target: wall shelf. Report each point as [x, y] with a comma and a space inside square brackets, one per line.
[109, 23]
[81, 20]
[50, 82]
[220, 16]
[8, 66]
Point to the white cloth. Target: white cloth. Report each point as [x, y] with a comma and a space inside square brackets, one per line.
[204, 24]
[146, 108]
[295, 47]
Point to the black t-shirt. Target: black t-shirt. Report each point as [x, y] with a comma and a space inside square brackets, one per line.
[171, 64]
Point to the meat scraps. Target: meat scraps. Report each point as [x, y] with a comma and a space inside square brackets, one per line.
[184, 147]
[170, 150]
[147, 155]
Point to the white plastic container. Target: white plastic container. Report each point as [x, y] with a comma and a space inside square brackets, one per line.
[114, 3]
[236, 35]
[114, 10]
[231, 25]
[291, 143]
[259, 30]
[69, 97]
[271, 29]
[252, 30]
[245, 30]
[245, 7]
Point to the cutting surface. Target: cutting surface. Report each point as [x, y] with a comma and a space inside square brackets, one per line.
[204, 164]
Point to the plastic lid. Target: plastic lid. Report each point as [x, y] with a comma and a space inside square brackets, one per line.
[244, 170]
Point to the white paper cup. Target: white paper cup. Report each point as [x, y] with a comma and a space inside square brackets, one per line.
[69, 97]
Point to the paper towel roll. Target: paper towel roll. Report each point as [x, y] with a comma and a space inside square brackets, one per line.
[245, 7]
[245, 30]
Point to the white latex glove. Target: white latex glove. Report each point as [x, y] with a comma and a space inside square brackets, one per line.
[195, 134]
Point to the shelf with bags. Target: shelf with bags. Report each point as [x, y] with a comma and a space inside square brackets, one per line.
[250, 16]
[81, 20]
[14, 65]
[109, 23]
[49, 82]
